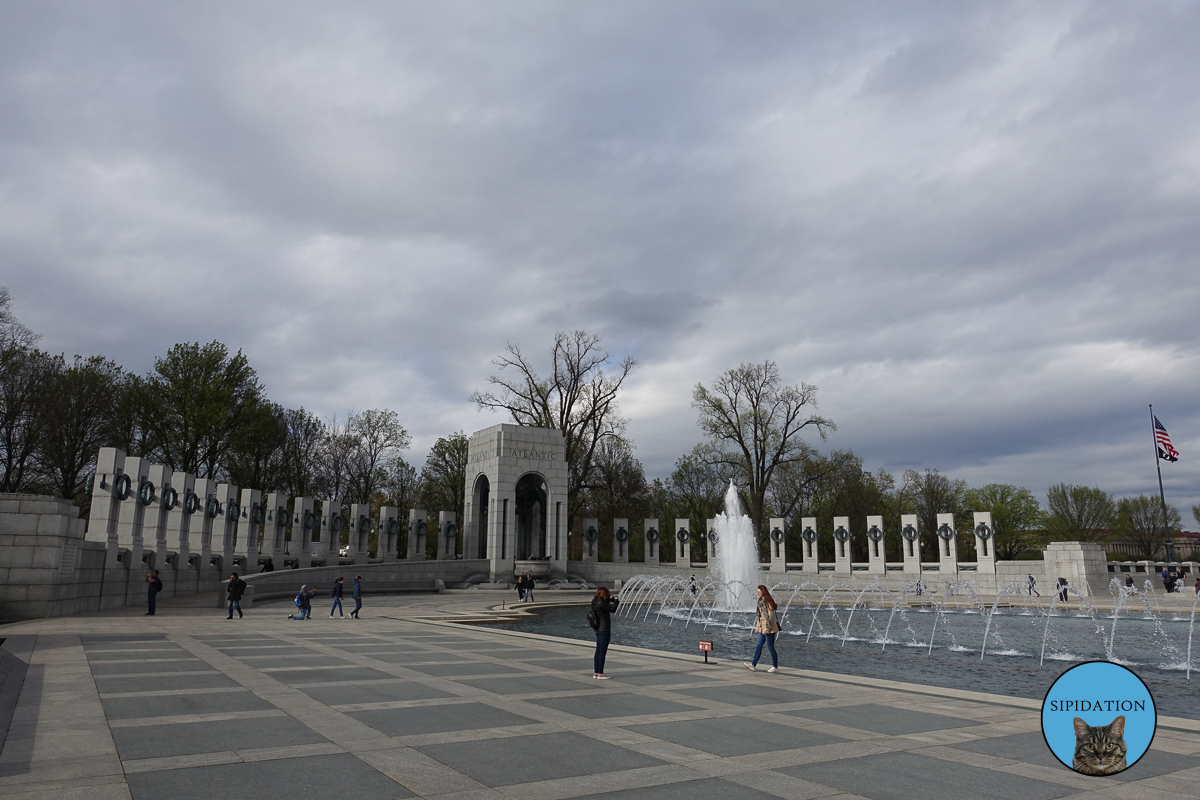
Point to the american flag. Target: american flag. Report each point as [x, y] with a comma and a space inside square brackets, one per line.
[1165, 450]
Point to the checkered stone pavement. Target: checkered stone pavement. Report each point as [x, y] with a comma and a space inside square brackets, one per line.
[392, 707]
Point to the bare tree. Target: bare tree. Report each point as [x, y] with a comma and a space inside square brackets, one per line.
[301, 467]
[378, 437]
[932, 493]
[26, 376]
[12, 332]
[1139, 521]
[578, 399]
[756, 423]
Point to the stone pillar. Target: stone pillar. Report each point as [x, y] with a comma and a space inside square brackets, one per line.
[448, 535]
[389, 532]
[179, 519]
[304, 522]
[154, 526]
[1083, 564]
[274, 527]
[620, 541]
[331, 532]
[200, 527]
[777, 545]
[360, 531]
[102, 523]
[591, 539]
[131, 515]
[225, 526]
[250, 526]
[876, 553]
[910, 544]
[947, 543]
[841, 546]
[808, 535]
[710, 538]
[683, 546]
[651, 537]
[418, 529]
[985, 544]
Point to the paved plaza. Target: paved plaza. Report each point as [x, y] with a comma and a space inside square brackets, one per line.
[404, 704]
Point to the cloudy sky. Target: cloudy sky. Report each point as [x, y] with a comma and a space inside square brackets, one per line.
[973, 226]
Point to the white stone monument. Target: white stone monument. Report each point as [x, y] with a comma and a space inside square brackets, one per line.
[516, 499]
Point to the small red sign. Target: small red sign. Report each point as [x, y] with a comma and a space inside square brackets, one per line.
[706, 646]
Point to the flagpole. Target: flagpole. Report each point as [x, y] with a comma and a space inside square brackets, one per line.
[1158, 466]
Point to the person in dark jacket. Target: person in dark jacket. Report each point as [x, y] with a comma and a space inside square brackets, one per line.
[237, 587]
[154, 586]
[603, 605]
[336, 594]
[357, 596]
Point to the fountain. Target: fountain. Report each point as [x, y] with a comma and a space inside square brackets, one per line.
[735, 565]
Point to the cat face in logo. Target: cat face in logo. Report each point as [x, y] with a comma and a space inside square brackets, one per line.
[1099, 750]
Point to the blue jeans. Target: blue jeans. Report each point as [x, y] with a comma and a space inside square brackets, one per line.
[151, 596]
[769, 638]
[602, 640]
[357, 607]
[235, 604]
[337, 606]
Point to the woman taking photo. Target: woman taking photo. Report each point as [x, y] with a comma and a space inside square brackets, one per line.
[602, 606]
[766, 626]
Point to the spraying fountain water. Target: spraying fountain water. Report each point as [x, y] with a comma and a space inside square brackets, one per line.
[735, 567]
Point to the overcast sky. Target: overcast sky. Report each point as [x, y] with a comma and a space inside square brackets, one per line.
[973, 226]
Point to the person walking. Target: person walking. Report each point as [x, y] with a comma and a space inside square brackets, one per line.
[692, 587]
[529, 584]
[336, 594]
[1062, 589]
[1128, 581]
[603, 605]
[1032, 585]
[237, 587]
[765, 626]
[153, 587]
[357, 596]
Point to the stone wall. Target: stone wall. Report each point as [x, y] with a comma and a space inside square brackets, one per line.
[48, 569]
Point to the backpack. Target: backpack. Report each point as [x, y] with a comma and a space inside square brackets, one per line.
[333, 591]
[593, 619]
[299, 599]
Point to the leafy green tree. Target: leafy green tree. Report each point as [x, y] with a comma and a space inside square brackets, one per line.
[377, 438]
[443, 479]
[1016, 516]
[1140, 522]
[578, 398]
[79, 406]
[851, 491]
[1078, 513]
[196, 400]
[256, 453]
[755, 423]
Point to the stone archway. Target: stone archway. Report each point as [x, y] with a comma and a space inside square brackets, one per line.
[480, 496]
[530, 502]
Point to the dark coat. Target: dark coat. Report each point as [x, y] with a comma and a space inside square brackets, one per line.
[357, 590]
[603, 608]
[236, 589]
[337, 590]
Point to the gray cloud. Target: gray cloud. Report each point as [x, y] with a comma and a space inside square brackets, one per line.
[973, 226]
